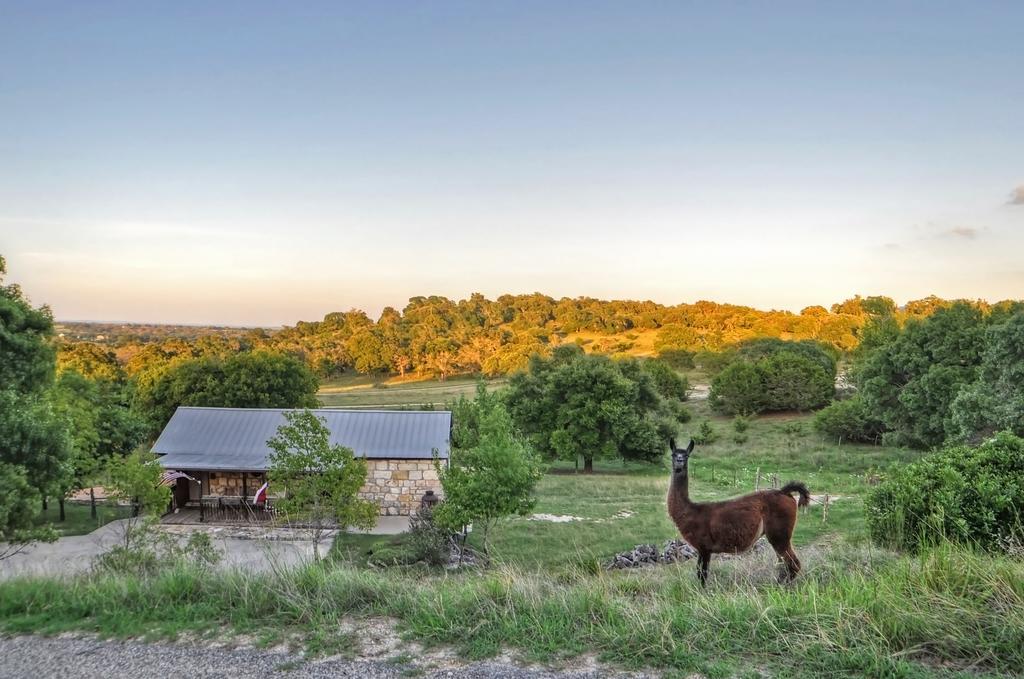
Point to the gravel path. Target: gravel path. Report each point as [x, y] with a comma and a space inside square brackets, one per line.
[73, 555]
[41, 658]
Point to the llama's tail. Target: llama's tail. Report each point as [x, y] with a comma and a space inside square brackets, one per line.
[797, 487]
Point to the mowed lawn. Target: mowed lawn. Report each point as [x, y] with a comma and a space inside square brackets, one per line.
[364, 391]
[623, 505]
[78, 518]
[583, 518]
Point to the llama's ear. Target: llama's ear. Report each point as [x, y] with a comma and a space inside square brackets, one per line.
[672, 444]
[689, 448]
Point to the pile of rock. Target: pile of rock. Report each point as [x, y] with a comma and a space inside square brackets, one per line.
[643, 556]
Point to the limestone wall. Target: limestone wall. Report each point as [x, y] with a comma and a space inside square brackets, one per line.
[397, 485]
[230, 483]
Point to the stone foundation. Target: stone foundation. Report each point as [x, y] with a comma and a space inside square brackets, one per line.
[397, 486]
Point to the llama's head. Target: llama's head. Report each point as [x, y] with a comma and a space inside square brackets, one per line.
[680, 456]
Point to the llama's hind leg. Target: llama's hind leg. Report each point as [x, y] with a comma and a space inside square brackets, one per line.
[788, 562]
[792, 564]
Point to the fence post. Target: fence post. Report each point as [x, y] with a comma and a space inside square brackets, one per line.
[824, 509]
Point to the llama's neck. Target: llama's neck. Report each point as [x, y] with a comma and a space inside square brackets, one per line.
[681, 488]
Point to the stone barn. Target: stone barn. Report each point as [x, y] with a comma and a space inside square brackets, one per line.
[221, 454]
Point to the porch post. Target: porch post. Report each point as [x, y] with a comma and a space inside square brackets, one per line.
[202, 505]
[245, 487]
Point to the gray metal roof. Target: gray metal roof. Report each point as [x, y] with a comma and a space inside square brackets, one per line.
[213, 439]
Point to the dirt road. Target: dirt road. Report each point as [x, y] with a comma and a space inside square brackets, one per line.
[71, 658]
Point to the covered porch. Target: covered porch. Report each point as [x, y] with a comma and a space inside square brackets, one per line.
[223, 496]
[386, 525]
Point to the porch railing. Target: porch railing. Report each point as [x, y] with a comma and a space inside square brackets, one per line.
[235, 508]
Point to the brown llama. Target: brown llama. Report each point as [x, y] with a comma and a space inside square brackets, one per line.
[733, 526]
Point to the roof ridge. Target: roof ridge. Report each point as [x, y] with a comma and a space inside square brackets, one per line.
[318, 410]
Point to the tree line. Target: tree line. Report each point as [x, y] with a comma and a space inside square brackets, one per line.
[436, 337]
[952, 377]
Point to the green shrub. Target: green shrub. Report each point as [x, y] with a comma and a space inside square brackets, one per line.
[738, 389]
[769, 375]
[849, 420]
[128, 560]
[961, 494]
[756, 350]
[713, 362]
[146, 550]
[741, 423]
[429, 542]
[795, 382]
[706, 434]
[667, 381]
[680, 359]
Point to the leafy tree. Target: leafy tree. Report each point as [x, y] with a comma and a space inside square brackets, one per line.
[91, 361]
[964, 494]
[369, 352]
[19, 503]
[467, 414]
[257, 379]
[676, 337]
[910, 383]
[877, 332]
[101, 427]
[135, 480]
[33, 440]
[320, 481]
[866, 306]
[578, 405]
[667, 381]
[995, 400]
[492, 470]
[26, 352]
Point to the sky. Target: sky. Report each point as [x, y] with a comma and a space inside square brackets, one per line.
[261, 163]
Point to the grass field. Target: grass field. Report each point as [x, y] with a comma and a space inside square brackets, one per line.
[623, 505]
[854, 611]
[363, 391]
[77, 517]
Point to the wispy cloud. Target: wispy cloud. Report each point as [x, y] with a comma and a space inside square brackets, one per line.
[1017, 196]
[968, 232]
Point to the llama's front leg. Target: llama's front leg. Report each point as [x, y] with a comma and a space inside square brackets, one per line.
[703, 559]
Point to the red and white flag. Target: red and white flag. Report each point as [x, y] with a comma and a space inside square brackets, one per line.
[261, 494]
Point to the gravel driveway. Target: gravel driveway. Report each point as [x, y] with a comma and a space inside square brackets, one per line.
[41, 658]
[73, 555]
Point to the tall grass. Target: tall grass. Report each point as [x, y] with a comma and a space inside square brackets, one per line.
[860, 614]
